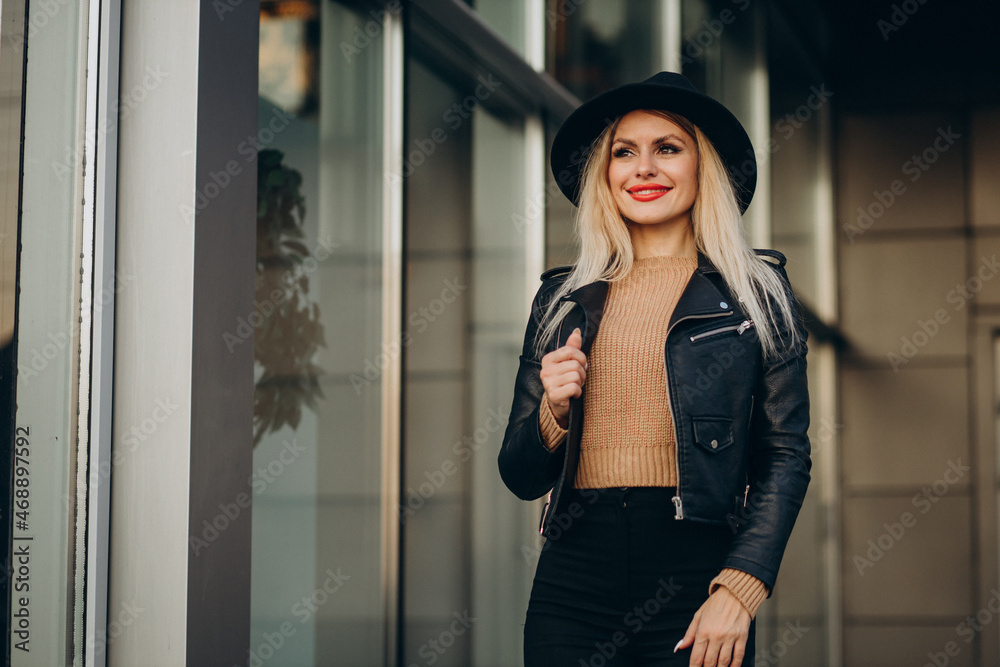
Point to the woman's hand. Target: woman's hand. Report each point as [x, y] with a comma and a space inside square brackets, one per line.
[564, 370]
[718, 632]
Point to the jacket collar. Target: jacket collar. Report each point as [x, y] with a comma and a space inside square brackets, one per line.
[702, 296]
[587, 294]
[705, 265]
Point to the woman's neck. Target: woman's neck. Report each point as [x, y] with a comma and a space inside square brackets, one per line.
[654, 240]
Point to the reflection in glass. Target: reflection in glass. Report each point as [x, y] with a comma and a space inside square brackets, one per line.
[317, 579]
[288, 327]
[289, 49]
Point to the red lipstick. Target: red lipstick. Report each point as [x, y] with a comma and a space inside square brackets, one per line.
[647, 192]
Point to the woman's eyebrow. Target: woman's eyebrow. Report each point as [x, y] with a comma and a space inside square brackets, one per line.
[656, 142]
[670, 137]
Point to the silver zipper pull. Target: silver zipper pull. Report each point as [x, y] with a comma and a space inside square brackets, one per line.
[743, 327]
[678, 508]
[545, 513]
[746, 493]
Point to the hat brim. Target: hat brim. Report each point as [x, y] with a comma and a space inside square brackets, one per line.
[573, 141]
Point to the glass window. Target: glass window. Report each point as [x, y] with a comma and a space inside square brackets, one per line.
[317, 534]
[508, 18]
[799, 122]
[798, 158]
[466, 581]
[599, 44]
[721, 49]
[560, 246]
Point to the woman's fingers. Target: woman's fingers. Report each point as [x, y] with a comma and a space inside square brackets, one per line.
[720, 652]
[698, 651]
[560, 390]
[575, 339]
[564, 381]
[739, 650]
[688, 637]
[564, 371]
[724, 650]
[718, 633]
[717, 651]
[571, 350]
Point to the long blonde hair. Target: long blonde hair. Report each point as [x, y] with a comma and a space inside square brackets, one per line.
[606, 247]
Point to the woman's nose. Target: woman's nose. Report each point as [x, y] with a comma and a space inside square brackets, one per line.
[646, 165]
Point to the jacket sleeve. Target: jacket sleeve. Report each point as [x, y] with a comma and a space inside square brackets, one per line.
[527, 466]
[779, 462]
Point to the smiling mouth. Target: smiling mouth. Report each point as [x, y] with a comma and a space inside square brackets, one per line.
[647, 192]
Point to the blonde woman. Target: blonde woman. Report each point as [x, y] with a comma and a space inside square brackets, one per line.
[661, 397]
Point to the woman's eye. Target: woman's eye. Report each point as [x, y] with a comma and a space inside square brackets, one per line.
[662, 149]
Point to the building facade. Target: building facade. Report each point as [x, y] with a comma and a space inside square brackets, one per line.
[266, 271]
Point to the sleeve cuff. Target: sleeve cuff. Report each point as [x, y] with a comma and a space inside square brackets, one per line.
[552, 433]
[748, 589]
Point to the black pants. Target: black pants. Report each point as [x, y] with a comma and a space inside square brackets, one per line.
[620, 580]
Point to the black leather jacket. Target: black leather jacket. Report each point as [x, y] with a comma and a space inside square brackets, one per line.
[740, 420]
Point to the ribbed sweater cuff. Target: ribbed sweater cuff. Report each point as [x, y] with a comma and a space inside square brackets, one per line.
[748, 589]
[552, 433]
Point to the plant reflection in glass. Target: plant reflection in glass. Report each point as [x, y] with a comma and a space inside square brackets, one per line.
[288, 331]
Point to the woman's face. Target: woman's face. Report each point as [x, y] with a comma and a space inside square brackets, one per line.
[653, 170]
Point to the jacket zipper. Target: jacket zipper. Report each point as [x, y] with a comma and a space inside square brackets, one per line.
[746, 493]
[548, 500]
[545, 514]
[738, 328]
[678, 501]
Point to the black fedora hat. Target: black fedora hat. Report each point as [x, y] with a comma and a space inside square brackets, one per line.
[666, 91]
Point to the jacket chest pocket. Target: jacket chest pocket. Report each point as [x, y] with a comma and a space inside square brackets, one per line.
[716, 332]
[713, 434]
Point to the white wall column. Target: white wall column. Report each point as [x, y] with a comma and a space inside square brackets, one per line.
[182, 446]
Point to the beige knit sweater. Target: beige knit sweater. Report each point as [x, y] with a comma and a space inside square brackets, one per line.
[628, 435]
